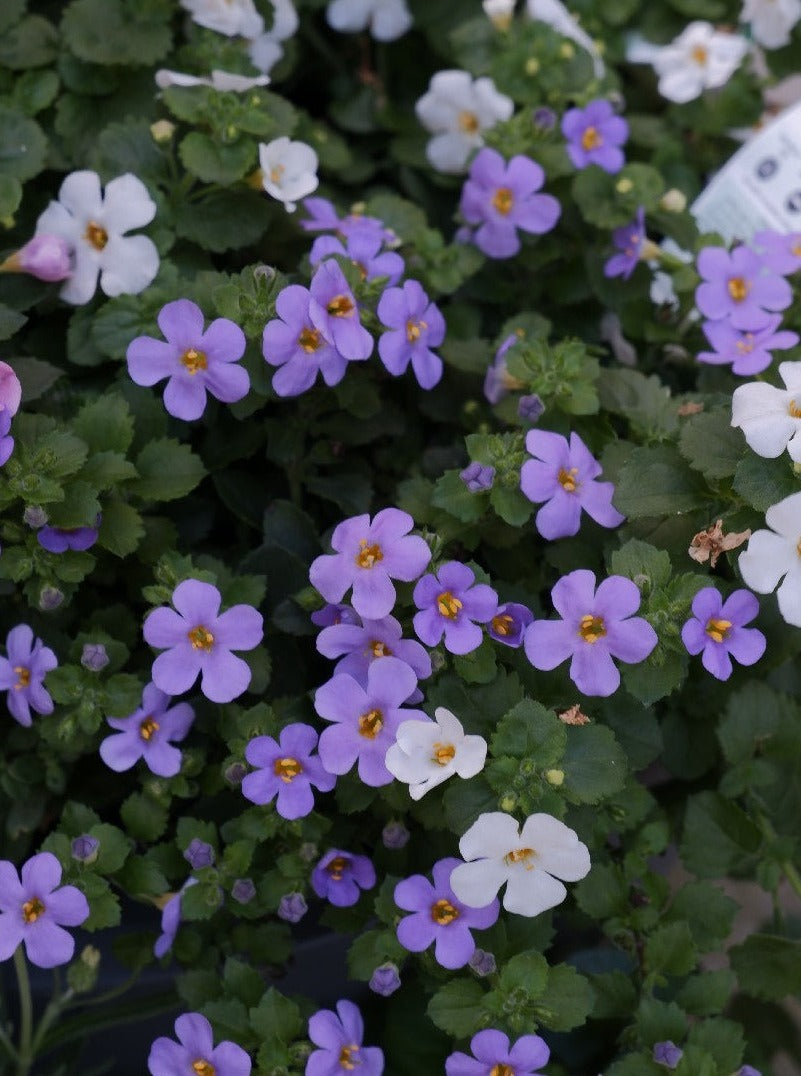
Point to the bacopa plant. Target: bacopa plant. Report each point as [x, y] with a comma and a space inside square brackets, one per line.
[400, 539]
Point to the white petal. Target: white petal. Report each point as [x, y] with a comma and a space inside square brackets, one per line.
[492, 834]
[794, 445]
[416, 736]
[226, 81]
[285, 20]
[791, 372]
[761, 411]
[470, 757]
[80, 193]
[348, 16]
[166, 78]
[785, 517]
[490, 105]
[418, 789]
[82, 284]
[767, 558]
[789, 595]
[391, 20]
[477, 884]
[57, 220]
[264, 53]
[681, 85]
[128, 264]
[449, 152]
[127, 205]
[559, 851]
[449, 724]
[532, 892]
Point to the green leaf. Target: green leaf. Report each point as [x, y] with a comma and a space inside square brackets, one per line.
[117, 31]
[10, 195]
[128, 147]
[10, 321]
[711, 445]
[242, 981]
[141, 877]
[35, 91]
[11, 11]
[104, 470]
[754, 715]
[526, 972]
[708, 912]
[276, 1017]
[457, 1008]
[603, 893]
[167, 469]
[371, 949]
[670, 950]
[477, 667]
[113, 850]
[718, 836]
[105, 424]
[656, 677]
[594, 764]
[36, 376]
[762, 482]
[656, 481]
[511, 505]
[145, 820]
[644, 401]
[723, 1039]
[567, 1000]
[530, 731]
[452, 495]
[707, 993]
[23, 145]
[768, 966]
[638, 560]
[224, 220]
[121, 528]
[215, 162]
[33, 42]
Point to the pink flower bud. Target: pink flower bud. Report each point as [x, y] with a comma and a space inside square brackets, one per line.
[47, 257]
[10, 389]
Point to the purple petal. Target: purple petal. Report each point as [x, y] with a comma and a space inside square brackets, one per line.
[176, 670]
[239, 628]
[573, 595]
[181, 322]
[548, 643]
[225, 676]
[716, 660]
[122, 751]
[631, 640]
[48, 945]
[593, 671]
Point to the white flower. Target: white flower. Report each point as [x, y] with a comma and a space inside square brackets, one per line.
[559, 18]
[770, 417]
[265, 50]
[234, 18]
[289, 170]
[219, 80]
[95, 226]
[529, 860]
[499, 12]
[771, 20]
[776, 553]
[457, 108]
[425, 754]
[387, 19]
[699, 59]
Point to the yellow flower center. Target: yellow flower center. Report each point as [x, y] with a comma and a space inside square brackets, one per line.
[502, 624]
[346, 1057]
[309, 340]
[413, 330]
[341, 306]
[194, 360]
[148, 727]
[468, 122]
[370, 724]
[32, 909]
[700, 55]
[203, 1068]
[718, 629]
[96, 235]
[501, 1070]
[746, 345]
[368, 555]
[738, 287]
[443, 753]
[443, 912]
[591, 139]
[337, 867]
[591, 628]
[793, 410]
[448, 605]
[795, 249]
[503, 200]
[379, 649]
[520, 855]
[276, 172]
[287, 769]
[23, 677]
[567, 479]
[201, 638]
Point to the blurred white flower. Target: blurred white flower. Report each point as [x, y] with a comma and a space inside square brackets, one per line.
[456, 109]
[499, 12]
[95, 227]
[770, 417]
[266, 50]
[427, 753]
[560, 19]
[771, 20]
[387, 19]
[289, 170]
[218, 80]
[774, 555]
[700, 58]
[234, 18]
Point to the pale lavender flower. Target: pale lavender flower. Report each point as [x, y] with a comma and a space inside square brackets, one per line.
[385, 980]
[482, 963]
[737, 286]
[243, 890]
[6, 440]
[498, 382]
[749, 352]
[564, 477]
[301, 351]
[292, 907]
[492, 1055]
[34, 515]
[201, 640]
[199, 854]
[530, 408]
[478, 477]
[94, 657]
[667, 1054]
[415, 326]
[594, 136]
[149, 733]
[363, 247]
[747, 1070]
[22, 674]
[629, 241]
[85, 848]
[334, 613]
[34, 909]
[395, 836]
[502, 198]
[717, 628]
[339, 1038]
[544, 118]
[509, 624]
[594, 629]
[364, 643]
[46, 257]
[780, 252]
[369, 554]
[323, 217]
[340, 876]
[194, 361]
[287, 769]
[60, 539]
[10, 389]
[335, 313]
[171, 920]
[195, 1052]
[452, 604]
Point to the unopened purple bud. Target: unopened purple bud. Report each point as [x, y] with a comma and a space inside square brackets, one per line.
[50, 598]
[544, 119]
[482, 962]
[292, 907]
[308, 852]
[334, 614]
[85, 848]
[667, 1054]
[34, 517]
[385, 980]
[748, 1070]
[395, 835]
[199, 854]
[47, 257]
[235, 773]
[478, 477]
[243, 890]
[530, 408]
[94, 657]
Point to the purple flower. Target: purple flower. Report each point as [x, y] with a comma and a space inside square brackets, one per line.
[530, 408]
[747, 1070]
[339, 876]
[47, 257]
[171, 920]
[498, 382]
[416, 325]
[22, 674]
[501, 197]
[385, 980]
[629, 242]
[780, 253]
[334, 312]
[60, 539]
[439, 917]
[716, 628]
[667, 1054]
[339, 1036]
[243, 890]
[564, 476]
[453, 604]
[199, 854]
[364, 250]
[364, 643]
[200, 640]
[6, 441]
[148, 733]
[544, 119]
[492, 1056]
[85, 848]
[509, 624]
[334, 613]
[736, 286]
[286, 770]
[323, 217]
[368, 556]
[10, 389]
[35, 909]
[594, 136]
[292, 907]
[292, 343]
[94, 657]
[748, 352]
[394, 836]
[196, 362]
[595, 627]
[478, 477]
[365, 719]
[197, 1052]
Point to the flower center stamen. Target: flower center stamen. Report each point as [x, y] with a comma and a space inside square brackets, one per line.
[413, 330]
[592, 628]
[567, 479]
[203, 1068]
[448, 605]
[370, 724]
[501, 1069]
[32, 909]
[309, 340]
[368, 555]
[738, 287]
[746, 345]
[379, 649]
[443, 912]
[201, 638]
[97, 236]
[591, 139]
[520, 855]
[346, 1057]
[341, 306]
[23, 677]
[194, 360]
[700, 55]
[718, 629]
[337, 867]
[443, 753]
[276, 172]
[468, 122]
[503, 200]
[287, 769]
[793, 410]
[148, 727]
[502, 624]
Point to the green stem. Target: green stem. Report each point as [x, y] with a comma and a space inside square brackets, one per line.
[51, 1014]
[787, 868]
[24, 1055]
[110, 995]
[7, 1044]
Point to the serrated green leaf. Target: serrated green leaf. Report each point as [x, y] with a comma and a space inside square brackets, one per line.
[121, 528]
[276, 1017]
[23, 145]
[215, 162]
[567, 1000]
[117, 31]
[711, 445]
[224, 220]
[456, 1008]
[594, 764]
[167, 470]
[768, 966]
[656, 481]
[145, 820]
[763, 482]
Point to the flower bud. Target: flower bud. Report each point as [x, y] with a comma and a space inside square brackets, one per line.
[308, 852]
[532, 65]
[385, 980]
[624, 185]
[243, 890]
[292, 907]
[529, 408]
[85, 848]
[50, 598]
[508, 803]
[544, 118]
[667, 1054]
[94, 657]
[478, 477]
[555, 777]
[395, 835]
[235, 773]
[10, 389]
[46, 257]
[482, 963]
[199, 854]
[499, 12]
[34, 517]
[162, 131]
[673, 201]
